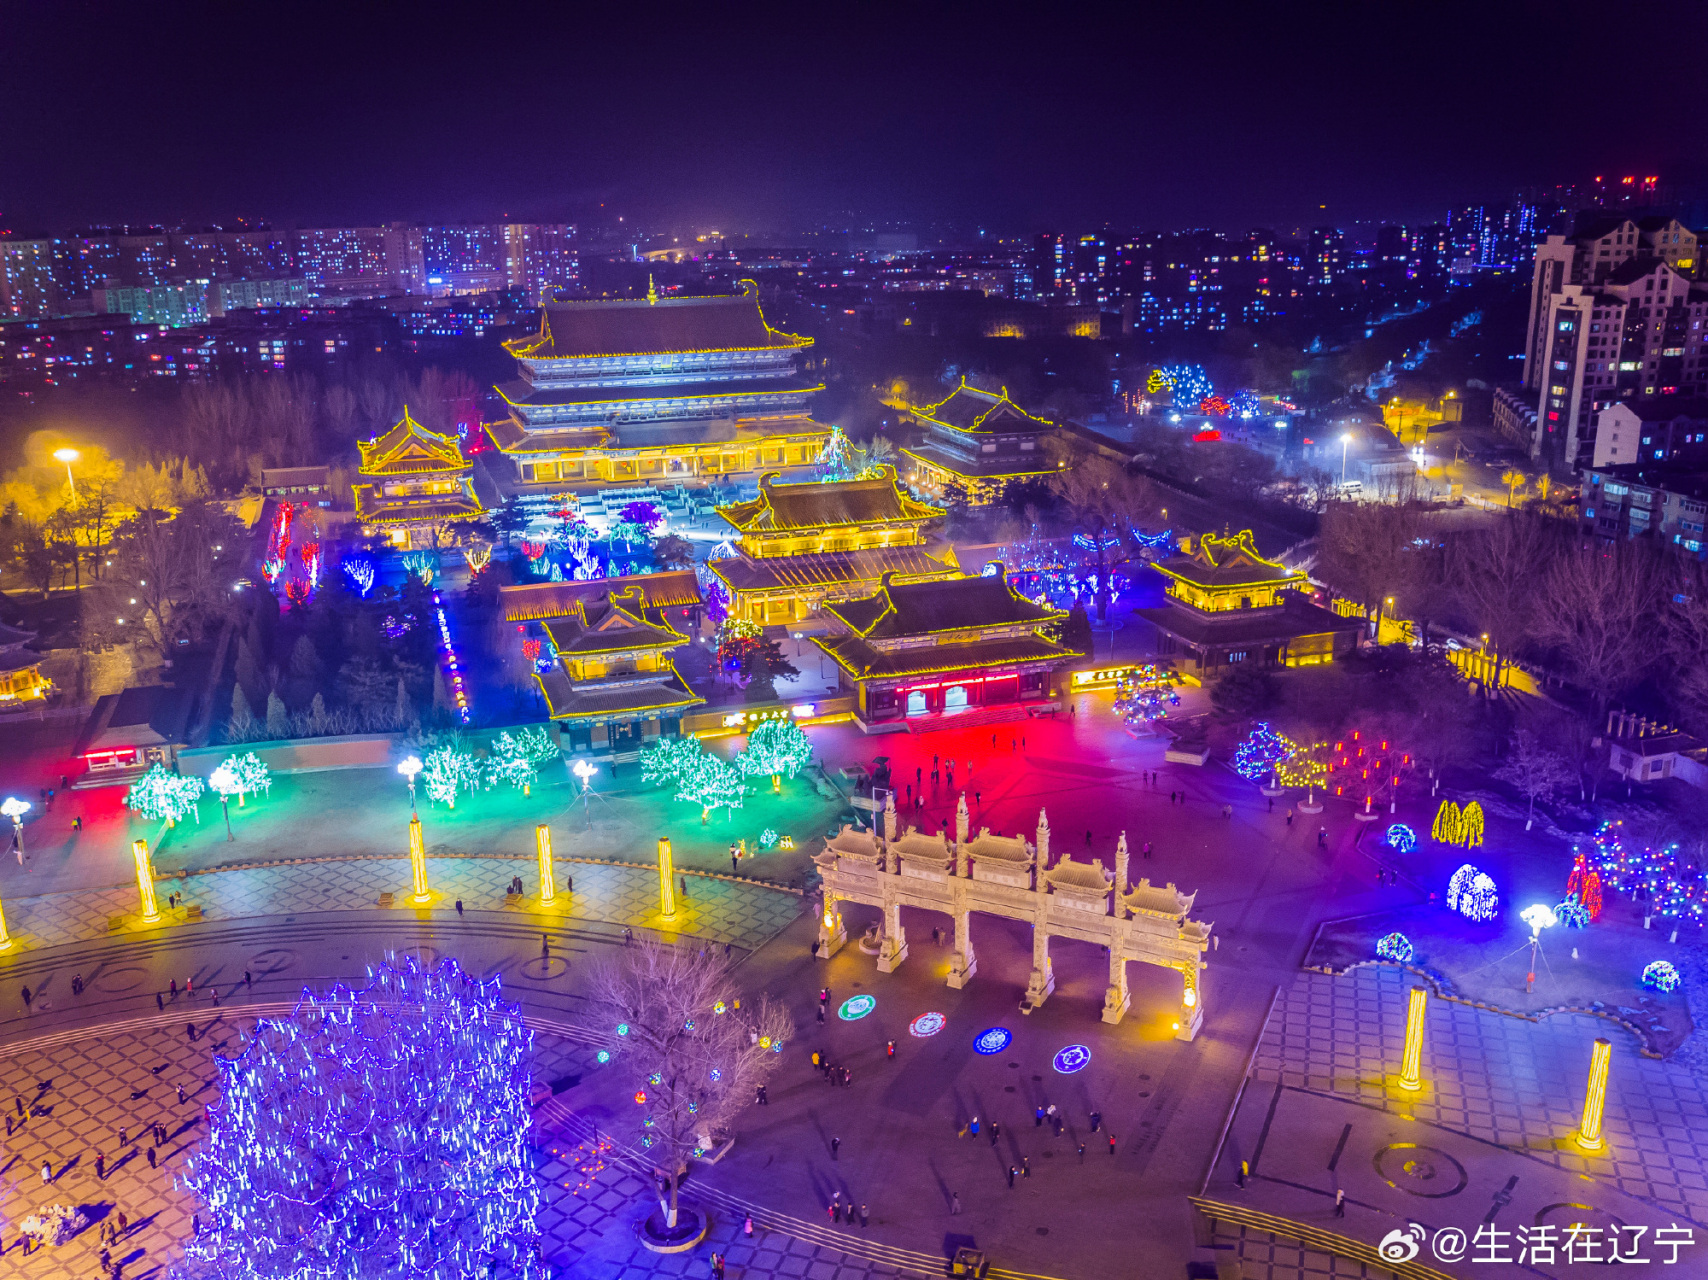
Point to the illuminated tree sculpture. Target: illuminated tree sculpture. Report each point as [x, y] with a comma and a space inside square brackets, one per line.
[381, 1132]
[693, 1055]
[776, 747]
[1256, 758]
[668, 758]
[249, 773]
[449, 771]
[839, 459]
[1472, 894]
[517, 757]
[161, 796]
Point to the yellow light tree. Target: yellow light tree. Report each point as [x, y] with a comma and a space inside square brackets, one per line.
[1447, 823]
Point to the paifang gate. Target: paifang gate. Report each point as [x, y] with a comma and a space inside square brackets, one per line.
[1007, 876]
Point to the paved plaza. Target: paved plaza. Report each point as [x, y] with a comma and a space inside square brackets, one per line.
[303, 907]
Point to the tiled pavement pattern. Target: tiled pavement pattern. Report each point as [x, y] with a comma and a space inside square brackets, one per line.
[720, 909]
[1516, 1083]
[83, 1088]
[1266, 1257]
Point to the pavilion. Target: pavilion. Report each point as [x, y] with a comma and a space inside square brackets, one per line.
[976, 443]
[415, 486]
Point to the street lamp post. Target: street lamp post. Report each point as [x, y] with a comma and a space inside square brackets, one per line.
[1538, 917]
[1345, 441]
[585, 771]
[15, 809]
[68, 456]
[224, 780]
[409, 767]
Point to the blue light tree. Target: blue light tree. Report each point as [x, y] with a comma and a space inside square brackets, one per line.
[380, 1132]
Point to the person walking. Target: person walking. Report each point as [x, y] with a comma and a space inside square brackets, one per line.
[734, 861]
[1082, 1153]
[180, 1094]
[159, 1002]
[1111, 1144]
[954, 1202]
[1011, 1172]
[864, 1218]
[889, 1048]
[1025, 1166]
[27, 997]
[1038, 1118]
[747, 1227]
[151, 1159]
[835, 1147]
[1289, 815]
[459, 908]
[995, 1130]
[1340, 1203]
[974, 1127]
[47, 1171]
[824, 995]
[821, 1015]
[1096, 1121]
[100, 1167]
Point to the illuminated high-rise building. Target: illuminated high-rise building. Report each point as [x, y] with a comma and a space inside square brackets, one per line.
[28, 287]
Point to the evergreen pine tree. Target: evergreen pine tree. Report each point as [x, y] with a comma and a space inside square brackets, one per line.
[305, 661]
[278, 719]
[405, 707]
[242, 714]
[317, 715]
[248, 673]
[441, 694]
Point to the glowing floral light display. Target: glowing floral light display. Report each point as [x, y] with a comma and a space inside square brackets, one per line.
[1662, 976]
[1584, 884]
[1255, 758]
[1243, 405]
[1396, 947]
[1188, 384]
[1401, 838]
[839, 459]
[1472, 893]
[379, 1131]
[1214, 406]
[1573, 914]
[161, 796]
[992, 1040]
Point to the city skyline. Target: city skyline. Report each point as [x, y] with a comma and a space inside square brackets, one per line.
[1214, 120]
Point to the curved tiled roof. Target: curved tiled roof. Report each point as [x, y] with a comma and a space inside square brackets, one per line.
[921, 608]
[591, 327]
[826, 504]
[969, 409]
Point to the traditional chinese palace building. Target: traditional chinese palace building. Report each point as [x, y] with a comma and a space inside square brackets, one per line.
[414, 484]
[925, 649]
[656, 389]
[976, 442]
[1227, 605]
[601, 652]
[803, 544]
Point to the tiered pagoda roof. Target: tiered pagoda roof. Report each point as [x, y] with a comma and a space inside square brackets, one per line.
[971, 410]
[409, 454]
[408, 449]
[582, 328]
[1228, 562]
[677, 588]
[609, 625]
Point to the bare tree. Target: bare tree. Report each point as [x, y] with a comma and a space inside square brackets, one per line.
[1369, 552]
[1104, 503]
[1536, 770]
[696, 1051]
[1597, 608]
[1497, 570]
[1687, 646]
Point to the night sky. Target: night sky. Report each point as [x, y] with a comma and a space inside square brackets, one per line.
[1012, 118]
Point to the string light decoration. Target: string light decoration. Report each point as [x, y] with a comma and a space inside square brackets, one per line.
[1662, 976]
[449, 771]
[1214, 406]
[458, 691]
[1457, 826]
[1243, 405]
[1367, 768]
[1573, 914]
[517, 757]
[699, 776]
[248, 774]
[1256, 758]
[161, 796]
[1188, 384]
[1401, 838]
[1472, 893]
[1396, 947]
[1662, 879]
[775, 747]
[374, 1132]
[423, 565]
[691, 1066]
[360, 573]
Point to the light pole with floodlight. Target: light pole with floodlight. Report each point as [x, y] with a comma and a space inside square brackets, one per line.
[15, 809]
[1538, 917]
[1345, 441]
[585, 771]
[409, 767]
[68, 455]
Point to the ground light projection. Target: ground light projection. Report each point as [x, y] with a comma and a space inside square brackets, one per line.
[926, 1025]
[374, 1130]
[993, 1040]
[856, 1007]
[1076, 1057]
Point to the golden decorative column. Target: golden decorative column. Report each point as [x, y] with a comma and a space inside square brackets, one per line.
[145, 881]
[666, 879]
[418, 861]
[543, 847]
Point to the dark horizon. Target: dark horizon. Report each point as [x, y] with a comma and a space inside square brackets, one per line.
[1225, 118]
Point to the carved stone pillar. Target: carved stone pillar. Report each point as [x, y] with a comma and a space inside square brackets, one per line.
[1121, 860]
[963, 820]
[1043, 978]
[890, 818]
[964, 963]
[892, 948]
[1191, 1001]
[831, 932]
[1117, 998]
[1043, 841]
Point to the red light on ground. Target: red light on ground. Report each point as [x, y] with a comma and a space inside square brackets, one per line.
[1209, 433]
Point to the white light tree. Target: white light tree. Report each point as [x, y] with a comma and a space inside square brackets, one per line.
[448, 771]
[517, 757]
[693, 1049]
[248, 773]
[374, 1133]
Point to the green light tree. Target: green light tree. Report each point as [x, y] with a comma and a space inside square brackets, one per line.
[699, 776]
[839, 459]
[775, 747]
[161, 796]
[517, 757]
